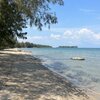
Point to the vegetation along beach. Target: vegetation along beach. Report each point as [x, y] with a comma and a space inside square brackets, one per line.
[49, 50]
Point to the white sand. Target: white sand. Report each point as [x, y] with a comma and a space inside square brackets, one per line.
[22, 78]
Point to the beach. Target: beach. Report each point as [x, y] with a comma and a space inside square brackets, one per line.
[23, 77]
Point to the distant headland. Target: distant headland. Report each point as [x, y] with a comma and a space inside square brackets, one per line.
[33, 45]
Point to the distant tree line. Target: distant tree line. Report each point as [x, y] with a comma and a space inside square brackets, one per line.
[68, 47]
[30, 45]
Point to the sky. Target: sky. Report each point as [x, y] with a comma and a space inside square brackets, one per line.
[78, 25]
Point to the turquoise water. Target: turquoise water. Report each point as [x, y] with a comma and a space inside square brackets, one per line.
[85, 74]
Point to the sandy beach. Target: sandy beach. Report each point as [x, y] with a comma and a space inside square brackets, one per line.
[23, 77]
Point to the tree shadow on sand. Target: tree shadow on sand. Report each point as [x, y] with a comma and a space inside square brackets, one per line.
[25, 78]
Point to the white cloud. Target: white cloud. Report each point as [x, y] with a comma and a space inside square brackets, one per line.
[67, 33]
[83, 36]
[97, 36]
[70, 34]
[55, 36]
[81, 33]
[84, 30]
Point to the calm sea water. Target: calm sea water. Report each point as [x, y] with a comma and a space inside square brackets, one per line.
[85, 74]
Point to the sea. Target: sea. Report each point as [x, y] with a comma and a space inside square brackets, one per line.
[82, 73]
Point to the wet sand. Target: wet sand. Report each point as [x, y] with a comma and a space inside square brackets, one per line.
[23, 77]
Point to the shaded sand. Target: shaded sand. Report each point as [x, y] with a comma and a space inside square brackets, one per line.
[23, 77]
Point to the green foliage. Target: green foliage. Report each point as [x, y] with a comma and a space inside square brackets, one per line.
[16, 14]
[11, 24]
[30, 45]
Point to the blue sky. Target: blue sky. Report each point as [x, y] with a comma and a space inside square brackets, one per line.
[78, 24]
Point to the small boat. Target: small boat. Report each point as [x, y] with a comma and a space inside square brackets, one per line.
[77, 58]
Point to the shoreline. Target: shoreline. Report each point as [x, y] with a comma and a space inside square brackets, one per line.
[23, 77]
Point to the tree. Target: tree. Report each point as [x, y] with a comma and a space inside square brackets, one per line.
[16, 14]
[11, 23]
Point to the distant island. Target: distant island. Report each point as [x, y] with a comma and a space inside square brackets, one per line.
[68, 47]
